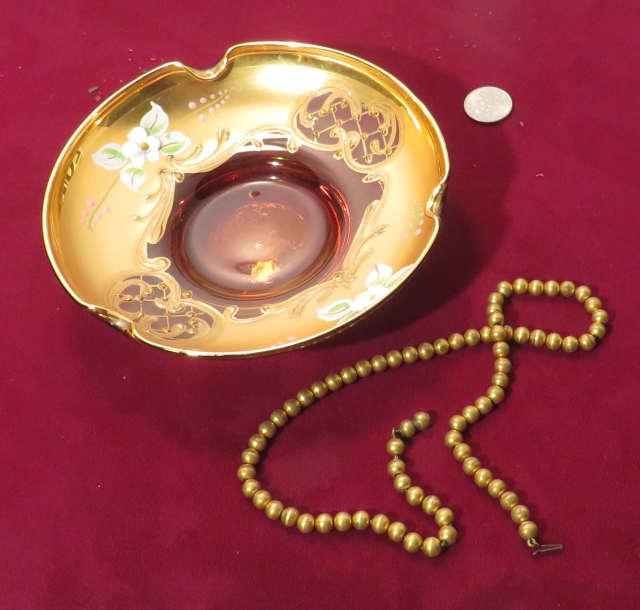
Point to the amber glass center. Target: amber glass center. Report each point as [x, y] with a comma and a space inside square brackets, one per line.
[262, 225]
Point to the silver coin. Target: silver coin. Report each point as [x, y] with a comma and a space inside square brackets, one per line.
[488, 104]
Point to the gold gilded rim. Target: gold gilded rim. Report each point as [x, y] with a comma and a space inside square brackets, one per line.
[410, 103]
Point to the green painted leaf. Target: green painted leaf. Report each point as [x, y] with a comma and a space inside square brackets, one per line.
[133, 177]
[173, 143]
[339, 307]
[110, 156]
[156, 121]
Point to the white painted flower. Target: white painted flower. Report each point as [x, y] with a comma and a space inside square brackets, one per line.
[145, 142]
[379, 282]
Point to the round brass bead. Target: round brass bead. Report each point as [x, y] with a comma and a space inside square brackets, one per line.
[521, 335]
[396, 531]
[500, 349]
[360, 520]
[553, 341]
[431, 547]
[324, 523]
[380, 523]
[363, 368]
[401, 482]
[407, 428]
[261, 498]
[415, 495]
[528, 530]
[485, 334]
[598, 330]
[425, 351]
[484, 405]
[441, 346]
[496, 297]
[570, 344]
[452, 438]
[443, 516]
[495, 318]
[551, 288]
[342, 521]
[495, 394]
[519, 513]
[448, 535]
[471, 414]
[396, 466]
[279, 418]
[349, 375]
[379, 363]
[334, 382]
[412, 542]
[508, 499]
[461, 452]
[536, 287]
[250, 456]
[457, 422]
[291, 407]
[305, 397]
[470, 465]
[249, 487]
[394, 358]
[421, 420]
[587, 342]
[274, 509]
[471, 338]
[500, 379]
[289, 516]
[258, 442]
[537, 338]
[305, 523]
[482, 477]
[600, 316]
[496, 487]
[592, 304]
[505, 288]
[395, 446]
[567, 288]
[246, 472]
[493, 308]
[502, 365]
[267, 428]
[520, 286]
[410, 354]
[319, 389]
[508, 332]
[498, 333]
[456, 341]
[582, 293]
[431, 504]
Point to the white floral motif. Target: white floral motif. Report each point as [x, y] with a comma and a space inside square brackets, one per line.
[145, 142]
[380, 282]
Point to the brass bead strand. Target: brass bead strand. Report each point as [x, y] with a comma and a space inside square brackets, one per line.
[497, 333]
[495, 394]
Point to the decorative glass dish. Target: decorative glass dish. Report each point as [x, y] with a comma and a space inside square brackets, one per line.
[262, 204]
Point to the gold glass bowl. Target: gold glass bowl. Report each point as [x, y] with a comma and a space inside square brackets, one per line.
[259, 205]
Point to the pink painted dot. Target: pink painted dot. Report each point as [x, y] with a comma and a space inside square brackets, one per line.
[212, 96]
[203, 100]
[210, 110]
[201, 117]
[418, 231]
[217, 105]
[405, 236]
[192, 105]
[222, 101]
[107, 210]
[421, 222]
[91, 203]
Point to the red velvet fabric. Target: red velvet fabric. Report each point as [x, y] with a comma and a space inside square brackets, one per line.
[117, 461]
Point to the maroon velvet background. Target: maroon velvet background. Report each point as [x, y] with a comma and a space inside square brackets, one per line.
[117, 461]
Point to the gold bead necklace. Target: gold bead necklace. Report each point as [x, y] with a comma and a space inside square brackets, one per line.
[500, 336]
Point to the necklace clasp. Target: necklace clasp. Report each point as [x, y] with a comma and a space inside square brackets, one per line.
[541, 549]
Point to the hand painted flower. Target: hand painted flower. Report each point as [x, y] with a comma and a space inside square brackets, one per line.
[380, 282]
[145, 142]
